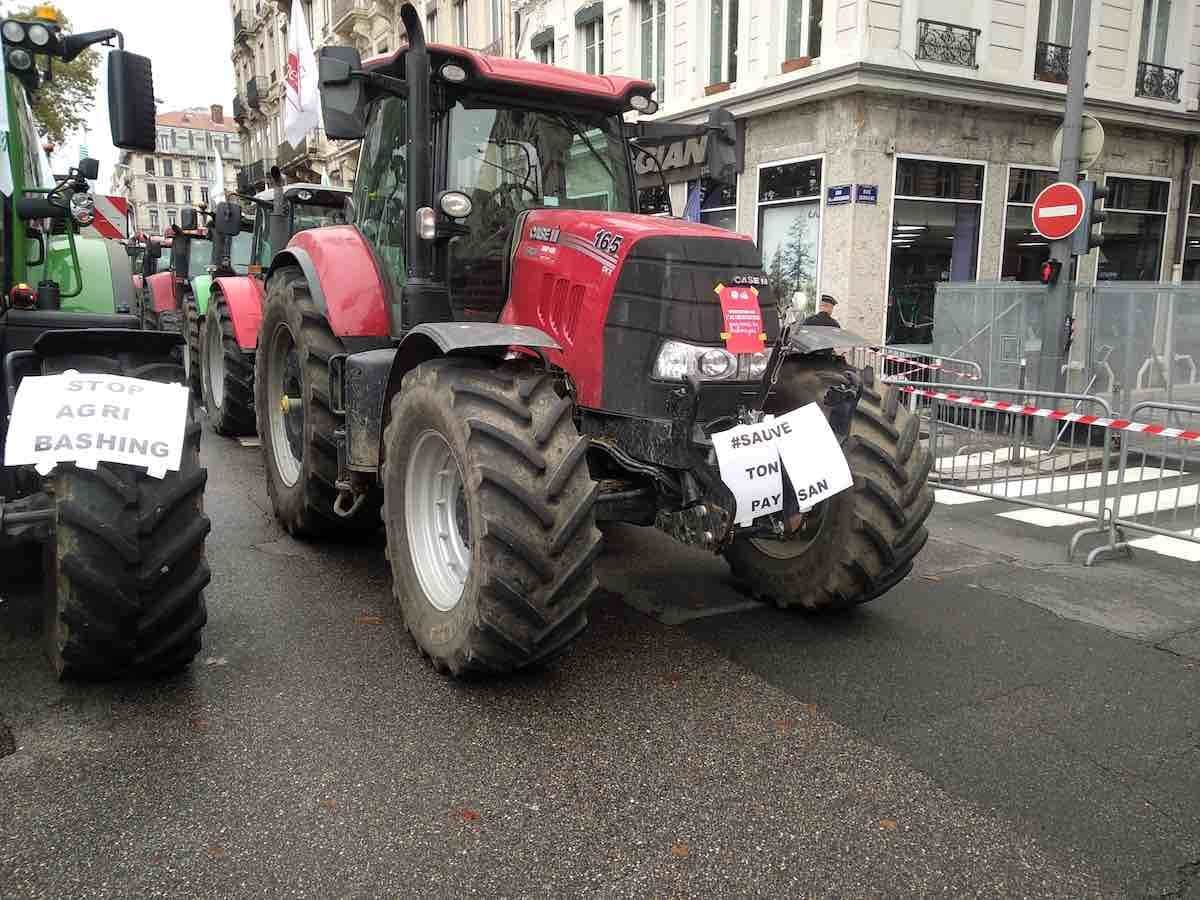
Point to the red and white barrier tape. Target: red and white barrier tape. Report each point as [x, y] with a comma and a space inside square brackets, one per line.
[938, 366]
[1056, 414]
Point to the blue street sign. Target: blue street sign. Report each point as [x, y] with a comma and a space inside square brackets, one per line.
[866, 193]
[838, 194]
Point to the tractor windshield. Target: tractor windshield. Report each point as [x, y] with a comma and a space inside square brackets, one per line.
[507, 159]
[199, 257]
[308, 215]
[239, 252]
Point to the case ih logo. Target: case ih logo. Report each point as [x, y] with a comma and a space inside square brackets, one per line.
[750, 279]
[543, 233]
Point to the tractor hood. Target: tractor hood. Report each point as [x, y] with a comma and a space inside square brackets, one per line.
[612, 287]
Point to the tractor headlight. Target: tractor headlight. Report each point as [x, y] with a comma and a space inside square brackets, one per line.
[83, 209]
[39, 35]
[677, 360]
[19, 60]
[13, 31]
[756, 363]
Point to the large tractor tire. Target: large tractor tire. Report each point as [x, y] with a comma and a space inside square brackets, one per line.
[226, 372]
[490, 518]
[126, 569]
[295, 418]
[857, 545]
[167, 320]
[191, 353]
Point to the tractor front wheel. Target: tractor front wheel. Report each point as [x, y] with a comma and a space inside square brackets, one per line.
[296, 422]
[226, 372]
[191, 353]
[857, 545]
[489, 509]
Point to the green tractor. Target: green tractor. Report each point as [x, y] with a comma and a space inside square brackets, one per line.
[123, 545]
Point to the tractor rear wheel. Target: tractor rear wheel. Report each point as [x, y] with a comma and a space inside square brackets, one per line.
[295, 418]
[126, 567]
[191, 355]
[226, 372]
[490, 518]
[857, 545]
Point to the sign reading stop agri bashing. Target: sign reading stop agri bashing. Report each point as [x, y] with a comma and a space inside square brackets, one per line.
[87, 419]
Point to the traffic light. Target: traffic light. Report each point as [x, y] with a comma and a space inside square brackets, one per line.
[1084, 238]
[1050, 270]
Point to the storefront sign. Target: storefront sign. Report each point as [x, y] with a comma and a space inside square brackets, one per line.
[866, 193]
[752, 459]
[838, 194]
[86, 419]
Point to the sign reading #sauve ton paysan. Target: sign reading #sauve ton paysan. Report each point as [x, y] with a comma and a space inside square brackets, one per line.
[85, 419]
[753, 458]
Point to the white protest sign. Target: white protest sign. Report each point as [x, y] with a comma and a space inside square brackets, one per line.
[750, 468]
[813, 457]
[86, 419]
[752, 459]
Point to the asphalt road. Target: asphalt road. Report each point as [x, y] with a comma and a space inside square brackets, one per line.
[1000, 724]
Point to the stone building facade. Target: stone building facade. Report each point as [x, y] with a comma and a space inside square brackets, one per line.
[179, 173]
[890, 145]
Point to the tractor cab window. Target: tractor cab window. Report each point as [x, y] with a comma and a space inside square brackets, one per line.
[306, 215]
[380, 187]
[263, 251]
[199, 257]
[239, 252]
[509, 159]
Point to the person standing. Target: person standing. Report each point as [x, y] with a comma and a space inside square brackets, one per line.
[824, 315]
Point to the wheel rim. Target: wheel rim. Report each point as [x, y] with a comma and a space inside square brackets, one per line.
[214, 363]
[285, 406]
[435, 517]
[799, 543]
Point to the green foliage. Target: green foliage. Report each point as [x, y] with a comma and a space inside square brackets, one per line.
[61, 107]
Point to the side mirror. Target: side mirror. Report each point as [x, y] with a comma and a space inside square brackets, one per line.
[89, 168]
[187, 218]
[722, 161]
[153, 249]
[343, 97]
[131, 101]
[227, 220]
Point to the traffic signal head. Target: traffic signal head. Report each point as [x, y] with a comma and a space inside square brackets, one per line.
[1085, 237]
[1050, 270]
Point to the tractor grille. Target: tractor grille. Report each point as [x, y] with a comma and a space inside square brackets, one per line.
[665, 291]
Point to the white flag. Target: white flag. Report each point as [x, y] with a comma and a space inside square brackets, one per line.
[301, 113]
[216, 181]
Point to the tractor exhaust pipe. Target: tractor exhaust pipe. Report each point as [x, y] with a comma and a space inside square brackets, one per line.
[278, 226]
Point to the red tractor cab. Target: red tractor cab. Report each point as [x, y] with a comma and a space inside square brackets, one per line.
[498, 351]
[230, 333]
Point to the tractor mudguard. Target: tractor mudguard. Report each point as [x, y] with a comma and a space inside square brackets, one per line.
[245, 297]
[201, 288]
[162, 292]
[811, 338]
[344, 278]
[361, 384]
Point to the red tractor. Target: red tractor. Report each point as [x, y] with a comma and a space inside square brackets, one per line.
[229, 335]
[498, 353]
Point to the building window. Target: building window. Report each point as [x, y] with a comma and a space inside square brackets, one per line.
[722, 48]
[803, 32]
[185, 168]
[1156, 29]
[152, 193]
[1024, 249]
[431, 33]
[935, 237]
[789, 230]
[460, 22]
[149, 165]
[154, 220]
[191, 139]
[164, 141]
[204, 195]
[1131, 246]
[653, 35]
[203, 169]
[168, 167]
[172, 137]
[716, 204]
[542, 45]
[592, 38]
[1191, 246]
[187, 194]
[171, 220]
[170, 193]
[497, 22]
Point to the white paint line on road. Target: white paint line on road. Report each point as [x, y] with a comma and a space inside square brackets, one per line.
[955, 498]
[1053, 484]
[1146, 502]
[1044, 518]
[1169, 546]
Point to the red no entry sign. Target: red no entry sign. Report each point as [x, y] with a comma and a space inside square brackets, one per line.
[1058, 210]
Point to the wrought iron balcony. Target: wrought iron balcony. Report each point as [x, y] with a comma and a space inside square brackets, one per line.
[1052, 63]
[256, 92]
[1158, 82]
[347, 13]
[943, 42]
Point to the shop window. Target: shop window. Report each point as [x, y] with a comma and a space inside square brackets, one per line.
[722, 48]
[654, 201]
[1191, 246]
[716, 203]
[1024, 249]
[802, 28]
[653, 41]
[1131, 245]
[789, 229]
[936, 216]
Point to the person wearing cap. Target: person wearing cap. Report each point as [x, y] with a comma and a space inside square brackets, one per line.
[824, 316]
